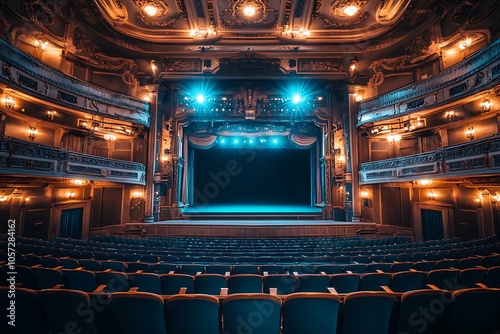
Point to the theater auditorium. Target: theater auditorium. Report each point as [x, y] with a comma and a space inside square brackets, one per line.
[250, 166]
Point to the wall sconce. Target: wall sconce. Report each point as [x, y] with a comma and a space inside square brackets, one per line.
[364, 194]
[465, 43]
[470, 133]
[32, 133]
[109, 137]
[424, 182]
[485, 105]
[364, 197]
[496, 197]
[450, 115]
[431, 195]
[394, 138]
[39, 43]
[138, 194]
[479, 202]
[9, 102]
[5, 198]
[154, 67]
[51, 114]
[71, 194]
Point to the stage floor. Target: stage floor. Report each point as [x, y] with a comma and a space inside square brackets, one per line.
[252, 209]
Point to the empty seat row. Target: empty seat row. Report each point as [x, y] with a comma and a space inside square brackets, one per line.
[167, 284]
[422, 311]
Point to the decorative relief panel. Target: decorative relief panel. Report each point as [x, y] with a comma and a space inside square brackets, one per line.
[182, 65]
[321, 65]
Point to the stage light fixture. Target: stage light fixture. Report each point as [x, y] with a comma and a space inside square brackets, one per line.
[275, 141]
[262, 140]
[236, 141]
[251, 141]
[296, 99]
[200, 98]
[223, 141]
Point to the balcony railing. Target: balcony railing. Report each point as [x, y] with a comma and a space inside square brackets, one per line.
[474, 158]
[22, 72]
[479, 72]
[23, 158]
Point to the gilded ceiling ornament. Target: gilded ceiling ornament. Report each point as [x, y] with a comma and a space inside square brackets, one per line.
[329, 23]
[466, 12]
[38, 12]
[152, 8]
[167, 23]
[83, 43]
[341, 8]
[248, 13]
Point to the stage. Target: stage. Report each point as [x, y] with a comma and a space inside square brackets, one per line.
[253, 211]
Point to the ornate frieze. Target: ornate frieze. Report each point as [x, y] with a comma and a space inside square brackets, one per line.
[467, 164]
[182, 65]
[321, 65]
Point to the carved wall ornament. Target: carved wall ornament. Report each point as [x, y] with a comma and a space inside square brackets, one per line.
[466, 12]
[161, 7]
[182, 65]
[38, 12]
[321, 65]
[167, 23]
[83, 44]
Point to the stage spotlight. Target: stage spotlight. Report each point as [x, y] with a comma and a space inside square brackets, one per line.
[296, 99]
[262, 140]
[275, 141]
[251, 141]
[236, 141]
[200, 98]
[222, 141]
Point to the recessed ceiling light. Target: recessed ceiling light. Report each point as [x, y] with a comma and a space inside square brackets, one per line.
[351, 10]
[150, 10]
[249, 10]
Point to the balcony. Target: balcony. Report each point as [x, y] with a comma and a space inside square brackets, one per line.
[480, 157]
[20, 158]
[478, 73]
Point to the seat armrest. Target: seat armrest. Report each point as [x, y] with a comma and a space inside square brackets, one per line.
[332, 290]
[223, 291]
[273, 291]
[386, 288]
[133, 289]
[433, 287]
[482, 285]
[100, 288]
[182, 291]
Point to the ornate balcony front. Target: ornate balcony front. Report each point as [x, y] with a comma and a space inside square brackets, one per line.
[478, 73]
[23, 158]
[474, 158]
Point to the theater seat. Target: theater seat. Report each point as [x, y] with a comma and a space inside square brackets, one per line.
[251, 313]
[172, 283]
[193, 314]
[146, 282]
[310, 313]
[27, 307]
[210, 284]
[138, 312]
[284, 283]
[244, 283]
[423, 311]
[313, 283]
[367, 312]
[474, 310]
[67, 310]
[405, 281]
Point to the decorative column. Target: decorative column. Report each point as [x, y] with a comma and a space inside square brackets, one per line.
[152, 154]
[352, 156]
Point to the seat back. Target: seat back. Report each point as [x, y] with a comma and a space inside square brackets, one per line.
[210, 284]
[374, 308]
[47, 277]
[115, 281]
[284, 283]
[146, 282]
[244, 283]
[434, 302]
[138, 312]
[193, 314]
[251, 313]
[26, 306]
[313, 283]
[171, 283]
[345, 283]
[407, 280]
[474, 310]
[82, 280]
[63, 307]
[374, 281]
[310, 313]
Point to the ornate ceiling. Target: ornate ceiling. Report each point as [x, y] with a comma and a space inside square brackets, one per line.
[310, 37]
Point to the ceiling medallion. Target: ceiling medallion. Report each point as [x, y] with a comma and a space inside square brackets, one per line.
[347, 8]
[152, 8]
[249, 11]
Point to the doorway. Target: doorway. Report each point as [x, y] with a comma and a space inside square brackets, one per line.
[432, 224]
[71, 223]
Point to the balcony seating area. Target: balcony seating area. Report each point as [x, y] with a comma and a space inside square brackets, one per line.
[103, 287]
